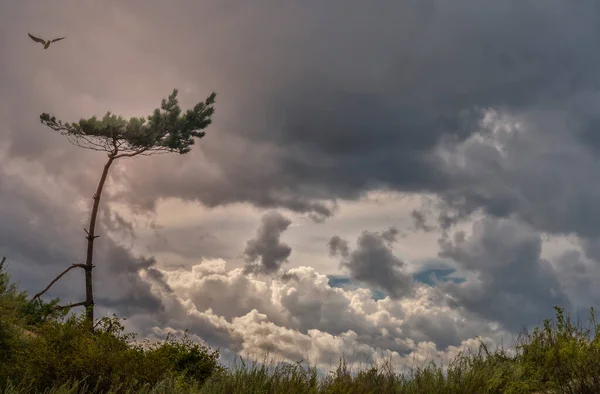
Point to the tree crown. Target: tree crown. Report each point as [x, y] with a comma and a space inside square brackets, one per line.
[166, 130]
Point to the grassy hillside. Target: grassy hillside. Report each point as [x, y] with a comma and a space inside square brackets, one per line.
[44, 351]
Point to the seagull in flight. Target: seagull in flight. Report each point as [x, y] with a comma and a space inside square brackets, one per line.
[46, 43]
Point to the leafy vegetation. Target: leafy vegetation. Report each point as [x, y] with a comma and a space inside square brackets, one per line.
[43, 350]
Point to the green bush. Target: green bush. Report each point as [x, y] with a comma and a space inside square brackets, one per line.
[562, 356]
[65, 351]
[61, 351]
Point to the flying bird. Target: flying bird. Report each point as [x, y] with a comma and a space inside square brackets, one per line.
[46, 43]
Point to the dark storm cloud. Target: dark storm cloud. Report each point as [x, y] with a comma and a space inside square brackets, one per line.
[40, 232]
[120, 286]
[267, 247]
[373, 262]
[307, 117]
[509, 282]
[527, 165]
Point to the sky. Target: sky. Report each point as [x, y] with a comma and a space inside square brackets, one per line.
[382, 180]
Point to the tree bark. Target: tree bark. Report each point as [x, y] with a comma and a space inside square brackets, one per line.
[91, 236]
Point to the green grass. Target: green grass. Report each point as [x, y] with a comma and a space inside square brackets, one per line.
[58, 354]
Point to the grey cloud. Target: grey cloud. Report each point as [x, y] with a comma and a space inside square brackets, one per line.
[420, 221]
[373, 262]
[39, 234]
[579, 277]
[508, 281]
[389, 235]
[526, 164]
[338, 245]
[113, 221]
[286, 276]
[267, 246]
[197, 241]
[591, 248]
[119, 285]
[440, 328]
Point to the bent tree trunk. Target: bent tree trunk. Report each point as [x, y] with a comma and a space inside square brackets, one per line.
[91, 236]
[88, 266]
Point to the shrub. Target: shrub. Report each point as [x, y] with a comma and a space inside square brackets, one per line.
[61, 351]
[562, 356]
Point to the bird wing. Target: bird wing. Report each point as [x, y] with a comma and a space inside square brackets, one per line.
[36, 39]
[58, 39]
